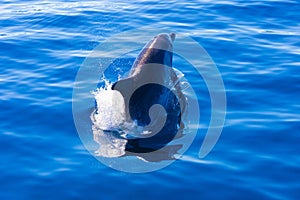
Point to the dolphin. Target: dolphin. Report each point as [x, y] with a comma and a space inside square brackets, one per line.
[152, 95]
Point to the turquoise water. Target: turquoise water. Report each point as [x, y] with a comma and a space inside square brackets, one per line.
[255, 45]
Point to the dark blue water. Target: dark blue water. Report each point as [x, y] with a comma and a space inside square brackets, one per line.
[255, 45]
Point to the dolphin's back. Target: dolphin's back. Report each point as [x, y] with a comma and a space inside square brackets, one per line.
[139, 97]
[152, 55]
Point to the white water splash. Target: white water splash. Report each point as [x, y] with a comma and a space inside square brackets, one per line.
[110, 128]
[110, 112]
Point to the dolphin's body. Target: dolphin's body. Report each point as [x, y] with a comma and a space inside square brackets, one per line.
[151, 81]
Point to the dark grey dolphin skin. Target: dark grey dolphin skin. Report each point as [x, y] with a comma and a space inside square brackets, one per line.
[152, 80]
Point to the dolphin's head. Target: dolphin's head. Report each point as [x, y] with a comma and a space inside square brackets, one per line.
[162, 41]
[164, 36]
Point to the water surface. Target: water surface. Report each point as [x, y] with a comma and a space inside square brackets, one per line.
[255, 45]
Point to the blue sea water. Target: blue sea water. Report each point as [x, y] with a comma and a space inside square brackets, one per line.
[256, 47]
